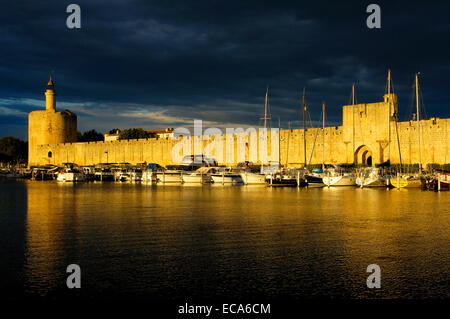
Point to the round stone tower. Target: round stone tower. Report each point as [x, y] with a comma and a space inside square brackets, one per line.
[49, 127]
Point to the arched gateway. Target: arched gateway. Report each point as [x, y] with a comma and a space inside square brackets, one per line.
[363, 155]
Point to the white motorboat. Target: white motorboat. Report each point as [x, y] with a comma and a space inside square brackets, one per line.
[226, 176]
[190, 164]
[71, 175]
[201, 175]
[170, 176]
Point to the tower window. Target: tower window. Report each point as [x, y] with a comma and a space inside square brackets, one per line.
[49, 154]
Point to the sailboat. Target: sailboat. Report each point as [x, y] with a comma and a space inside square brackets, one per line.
[252, 178]
[314, 179]
[336, 176]
[411, 181]
[279, 176]
[370, 177]
[406, 181]
[373, 176]
[332, 178]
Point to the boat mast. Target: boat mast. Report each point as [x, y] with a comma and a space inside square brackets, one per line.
[353, 121]
[265, 107]
[418, 120]
[279, 142]
[304, 124]
[287, 148]
[389, 115]
[323, 136]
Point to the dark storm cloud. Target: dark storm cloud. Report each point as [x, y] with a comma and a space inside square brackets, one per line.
[164, 63]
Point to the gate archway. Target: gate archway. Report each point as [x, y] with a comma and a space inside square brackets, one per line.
[363, 155]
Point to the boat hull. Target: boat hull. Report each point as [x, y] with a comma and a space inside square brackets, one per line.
[170, 177]
[314, 181]
[339, 180]
[286, 181]
[226, 179]
[197, 179]
[405, 183]
[70, 177]
[253, 179]
[369, 182]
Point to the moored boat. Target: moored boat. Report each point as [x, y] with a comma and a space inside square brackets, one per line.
[9, 174]
[339, 180]
[437, 182]
[371, 177]
[149, 175]
[406, 181]
[314, 180]
[103, 174]
[135, 175]
[71, 174]
[226, 176]
[43, 174]
[200, 176]
[123, 175]
[337, 176]
[170, 175]
[281, 180]
[252, 178]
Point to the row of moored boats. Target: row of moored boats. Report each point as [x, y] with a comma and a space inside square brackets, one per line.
[204, 172]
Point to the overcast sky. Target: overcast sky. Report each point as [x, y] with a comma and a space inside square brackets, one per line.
[154, 64]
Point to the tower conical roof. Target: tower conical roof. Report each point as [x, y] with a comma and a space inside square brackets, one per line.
[50, 85]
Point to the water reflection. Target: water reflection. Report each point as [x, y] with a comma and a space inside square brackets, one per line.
[210, 242]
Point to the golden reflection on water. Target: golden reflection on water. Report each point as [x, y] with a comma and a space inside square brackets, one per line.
[236, 241]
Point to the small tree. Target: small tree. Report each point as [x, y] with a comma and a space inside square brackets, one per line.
[91, 136]
[114, 131]
[13, 150]
[133, 133]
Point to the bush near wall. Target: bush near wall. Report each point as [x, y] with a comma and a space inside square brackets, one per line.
[90, 136]
[13, 150]
[133, 133]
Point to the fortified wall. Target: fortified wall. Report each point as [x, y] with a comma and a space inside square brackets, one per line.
[364, 138]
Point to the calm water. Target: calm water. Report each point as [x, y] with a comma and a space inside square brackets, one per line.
[216, 242]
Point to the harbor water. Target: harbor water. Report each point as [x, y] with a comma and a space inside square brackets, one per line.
[214, 241]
